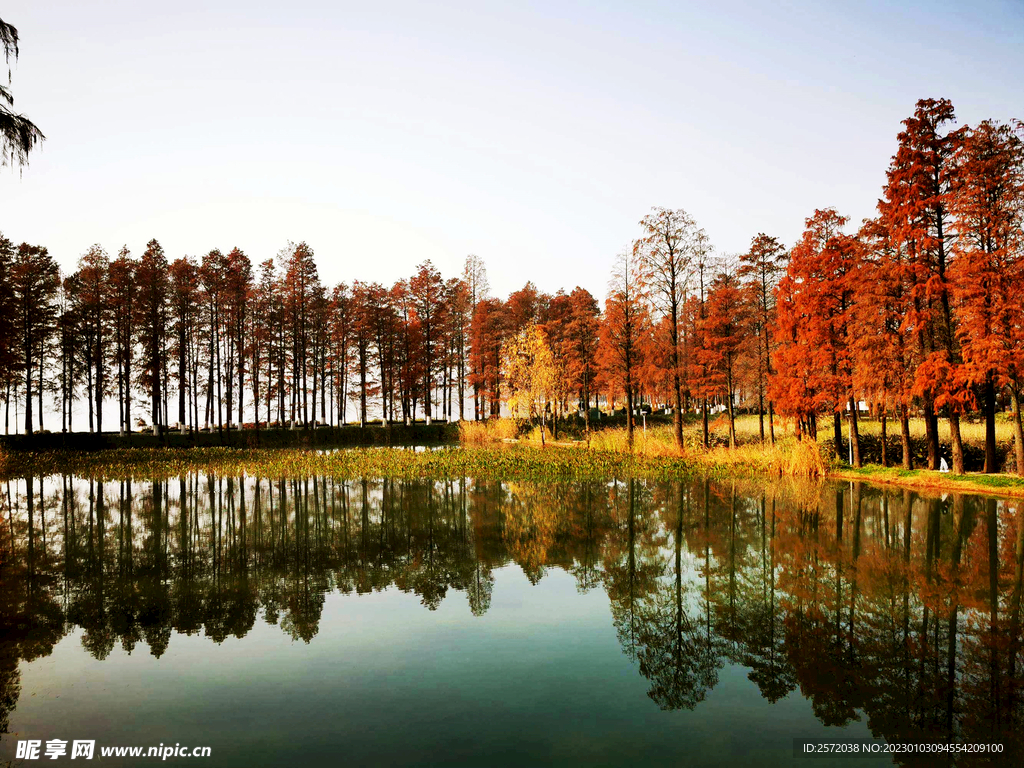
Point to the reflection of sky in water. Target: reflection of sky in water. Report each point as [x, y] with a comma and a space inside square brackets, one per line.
[539, 679]
[608, 622]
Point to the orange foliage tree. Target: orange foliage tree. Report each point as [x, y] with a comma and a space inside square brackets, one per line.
[882, 345]
[626, 324]
[986, 273]
[814, 365]
[727, 330]
[919, 196]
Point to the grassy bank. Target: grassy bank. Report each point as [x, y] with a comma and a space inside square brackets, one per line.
[787, 458]
[941, 482]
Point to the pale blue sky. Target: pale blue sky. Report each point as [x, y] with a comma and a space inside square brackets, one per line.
[533, 134]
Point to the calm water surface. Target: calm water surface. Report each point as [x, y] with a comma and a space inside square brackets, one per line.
[311, 621]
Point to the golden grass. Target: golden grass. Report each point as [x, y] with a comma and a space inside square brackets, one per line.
[788, 457]
[488, 431]
[514, 462]
[655, 441]
[747, 428]
[534, 436]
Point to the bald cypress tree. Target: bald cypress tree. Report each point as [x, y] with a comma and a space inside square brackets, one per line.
[34, 280]
[152, 312]
[919, 194]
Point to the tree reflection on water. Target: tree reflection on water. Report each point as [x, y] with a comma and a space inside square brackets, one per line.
[900, 608]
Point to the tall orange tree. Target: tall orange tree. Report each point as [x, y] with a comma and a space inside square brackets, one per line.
[427, 291]
[69, 342]
[882, 344]
[212, 274]
[237, 295]
[919, 196]
[34, 282]
[151, 310]
[123, 291]
[579, 346]
[489, 329]
[94, 307]
[301, 282]
[727, 331]
[987, 274]
[814, 365]
[625, 326]
[363, 303]
[184, 302]
[341, 337]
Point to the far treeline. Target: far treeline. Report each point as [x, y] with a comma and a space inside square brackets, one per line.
[919, 312]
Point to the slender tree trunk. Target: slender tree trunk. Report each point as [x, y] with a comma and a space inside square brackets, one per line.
[362, 388]
[990, 425]
[28, 389]
[231, 379]
[931, 426]
[39, 390]
[732, 415]
[837, 434]
[241, 384]
[885, 442]
[155, 385]
[120, 385]
[677, 384]
[854, 433]
[128, 390]
[956, 443]
[182, 374]
[704, 422]
[904, 435]
[760, 406]
[462, 380]
[88, 391]
[99, 375]
[586, 407]
[629, 413]
[220, 378]
[1018, 431]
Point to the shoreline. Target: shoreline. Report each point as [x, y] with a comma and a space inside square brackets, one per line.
[1002, 485]
[510, 460]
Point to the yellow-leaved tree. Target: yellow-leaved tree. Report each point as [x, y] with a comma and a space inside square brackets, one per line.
[530, 376]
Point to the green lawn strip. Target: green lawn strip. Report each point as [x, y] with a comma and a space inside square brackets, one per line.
[1006, 485]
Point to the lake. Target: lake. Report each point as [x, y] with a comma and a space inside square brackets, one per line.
[314, 621]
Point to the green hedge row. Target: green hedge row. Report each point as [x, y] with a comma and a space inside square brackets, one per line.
[321, 437]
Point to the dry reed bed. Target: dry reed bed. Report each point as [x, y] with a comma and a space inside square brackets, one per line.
[503, 463]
